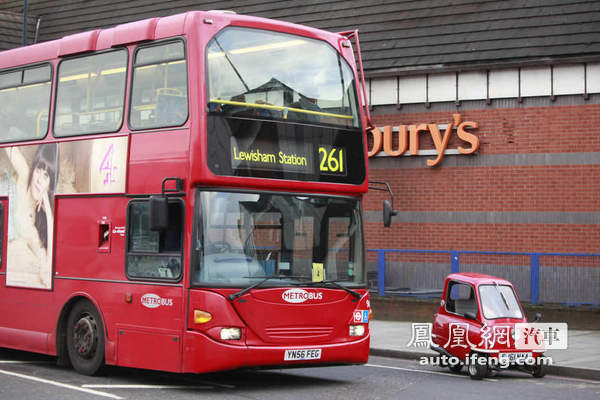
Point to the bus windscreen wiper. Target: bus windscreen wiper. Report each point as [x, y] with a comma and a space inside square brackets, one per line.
[232, 65]
[242, 292]
[333, 283]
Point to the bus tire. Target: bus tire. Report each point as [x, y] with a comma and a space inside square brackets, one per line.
[85, 338]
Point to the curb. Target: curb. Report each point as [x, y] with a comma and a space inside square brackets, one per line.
[570, 372]
[405, 354]
[574, 372]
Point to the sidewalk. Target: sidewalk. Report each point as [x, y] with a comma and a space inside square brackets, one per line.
[580, 360]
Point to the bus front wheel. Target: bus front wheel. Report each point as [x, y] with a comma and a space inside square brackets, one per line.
[85, 338]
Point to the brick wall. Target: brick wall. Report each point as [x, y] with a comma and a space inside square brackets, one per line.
[534, 184]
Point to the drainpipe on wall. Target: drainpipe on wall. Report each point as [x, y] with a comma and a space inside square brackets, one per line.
[25, 22]
[37, 29]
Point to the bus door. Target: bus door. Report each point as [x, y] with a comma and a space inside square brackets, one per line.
[150, 333]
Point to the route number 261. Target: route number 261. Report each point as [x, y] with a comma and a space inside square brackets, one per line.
[332, 160]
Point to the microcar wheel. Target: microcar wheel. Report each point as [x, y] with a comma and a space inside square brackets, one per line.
[85, 338]
[441, 362]
[538, 371]
[456, 368]
[478, 368]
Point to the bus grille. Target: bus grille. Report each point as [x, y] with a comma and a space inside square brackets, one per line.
[299, 332]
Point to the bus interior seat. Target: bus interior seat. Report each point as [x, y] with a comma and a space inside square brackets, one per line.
[171, 106]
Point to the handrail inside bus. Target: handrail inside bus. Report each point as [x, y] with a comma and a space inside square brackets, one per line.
[280, 108]
[40, 116]
[91, 112]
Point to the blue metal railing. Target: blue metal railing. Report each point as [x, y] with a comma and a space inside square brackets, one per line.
[591, 284]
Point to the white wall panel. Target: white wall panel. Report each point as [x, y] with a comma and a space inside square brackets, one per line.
[442, 87]
[472, 85]
[535, 81]
[568, 79]
[504, 83]
[384, 91]
[413, 89]
[593, 78]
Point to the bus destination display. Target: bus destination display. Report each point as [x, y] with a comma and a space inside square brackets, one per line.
[281, 150]
[290, 157]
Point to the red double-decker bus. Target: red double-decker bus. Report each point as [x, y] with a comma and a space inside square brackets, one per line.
[184, 194]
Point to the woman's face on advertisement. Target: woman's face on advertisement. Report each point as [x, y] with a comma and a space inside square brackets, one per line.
[40, 183]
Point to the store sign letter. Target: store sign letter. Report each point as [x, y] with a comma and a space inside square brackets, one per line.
[408, 139]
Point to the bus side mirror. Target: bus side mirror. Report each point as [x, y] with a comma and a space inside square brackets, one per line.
[158, 213]
[387, 213]
[538, 316]
[388, 209]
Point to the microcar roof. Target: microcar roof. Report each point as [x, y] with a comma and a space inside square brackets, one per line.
[477, 279]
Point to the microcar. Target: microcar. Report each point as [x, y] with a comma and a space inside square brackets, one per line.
[475, 327]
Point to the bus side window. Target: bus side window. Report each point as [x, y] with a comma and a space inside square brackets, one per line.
[90, 94]
[151, 254]
[159, 89]
[24, 103]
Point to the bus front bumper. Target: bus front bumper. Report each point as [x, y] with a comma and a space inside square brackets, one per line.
[203, 354]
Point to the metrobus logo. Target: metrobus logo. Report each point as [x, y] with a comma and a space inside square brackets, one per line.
[300, 295]
[152, 300]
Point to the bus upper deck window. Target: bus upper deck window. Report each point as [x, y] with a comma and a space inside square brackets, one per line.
[91, 94]
[258, 73]
[159, 91]
[24, 103]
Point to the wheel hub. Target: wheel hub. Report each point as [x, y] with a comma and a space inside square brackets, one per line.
[84, 336]
[472, 369]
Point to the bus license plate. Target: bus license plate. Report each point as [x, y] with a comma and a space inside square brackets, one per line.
[303, 354]
[514, 357]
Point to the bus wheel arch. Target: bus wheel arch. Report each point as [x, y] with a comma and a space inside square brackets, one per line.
[61, 333]
[81, 336]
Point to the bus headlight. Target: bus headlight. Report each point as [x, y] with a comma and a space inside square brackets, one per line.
[357, 330]
[231, 333]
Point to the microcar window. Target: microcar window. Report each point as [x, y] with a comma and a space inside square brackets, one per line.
[461, 298]
[499, 301]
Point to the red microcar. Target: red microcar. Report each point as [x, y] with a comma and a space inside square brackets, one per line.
[475, 327]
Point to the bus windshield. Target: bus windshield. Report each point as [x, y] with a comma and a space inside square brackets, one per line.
[242, 238]
[254, 73]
